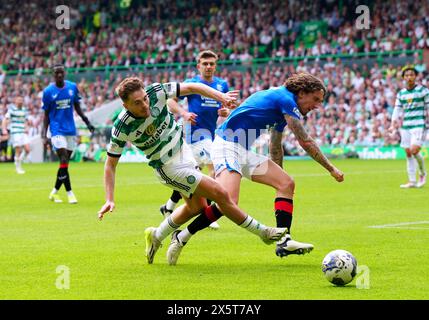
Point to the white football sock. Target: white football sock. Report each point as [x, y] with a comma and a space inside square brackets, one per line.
[421, 163]
[252, 225]
[170, 205]
[411, 169]
[184, 235]
[165, 228]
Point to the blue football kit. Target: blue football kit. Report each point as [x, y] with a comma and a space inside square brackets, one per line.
[205, 109]
[59, 103]
[259, 112]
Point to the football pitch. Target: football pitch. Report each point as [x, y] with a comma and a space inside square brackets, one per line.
[61, 251]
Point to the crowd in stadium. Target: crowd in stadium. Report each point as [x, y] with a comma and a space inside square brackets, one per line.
[360, 98]
[163, 31]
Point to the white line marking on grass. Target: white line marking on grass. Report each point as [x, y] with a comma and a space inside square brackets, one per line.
[402, 225]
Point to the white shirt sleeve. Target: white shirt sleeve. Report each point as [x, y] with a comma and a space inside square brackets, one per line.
[172, 89]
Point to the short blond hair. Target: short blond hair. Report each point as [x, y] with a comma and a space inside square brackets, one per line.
[206, 54]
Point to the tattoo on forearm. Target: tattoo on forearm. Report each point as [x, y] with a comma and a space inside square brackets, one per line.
[307, 143]
[276, 150]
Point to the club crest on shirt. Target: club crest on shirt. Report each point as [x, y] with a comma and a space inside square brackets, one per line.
[150, 130]
[219, 87]
[71, 92]
[191, 179]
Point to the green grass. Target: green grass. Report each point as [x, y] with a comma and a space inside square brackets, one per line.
[106, 259]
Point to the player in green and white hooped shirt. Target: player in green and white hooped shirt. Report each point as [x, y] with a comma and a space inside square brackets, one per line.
[16, 117]
[412, 105]
[147, 123]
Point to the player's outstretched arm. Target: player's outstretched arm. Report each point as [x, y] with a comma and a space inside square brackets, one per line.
[227, 99]
[109, 185]
[311, 147]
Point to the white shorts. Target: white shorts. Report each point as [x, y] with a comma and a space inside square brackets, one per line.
[64, 142]
[181, 172]
[19, 139]
[412, 137]
[234, 157]
[202, 151]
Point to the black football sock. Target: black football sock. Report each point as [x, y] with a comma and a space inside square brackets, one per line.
[67, 183]
[175, 196]
[284, 210]
[62, 175]
[209, 215]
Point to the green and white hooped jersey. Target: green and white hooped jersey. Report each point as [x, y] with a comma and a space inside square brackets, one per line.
[414, 104]
[158, 136]
[17, 117]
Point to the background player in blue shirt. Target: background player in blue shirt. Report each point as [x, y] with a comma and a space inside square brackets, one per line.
[200, 119]
[59, 100]
[268, 109]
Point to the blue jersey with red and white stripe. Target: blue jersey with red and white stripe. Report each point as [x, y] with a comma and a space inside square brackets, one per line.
[205, 109]
[259, 112]
[59, 103]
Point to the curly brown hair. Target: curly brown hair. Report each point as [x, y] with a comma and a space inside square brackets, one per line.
[304, 81]
[128, 86]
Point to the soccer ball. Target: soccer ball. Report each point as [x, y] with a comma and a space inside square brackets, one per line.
[339, 267]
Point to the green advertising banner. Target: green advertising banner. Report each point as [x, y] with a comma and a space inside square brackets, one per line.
[309, 30]
[370, 152]
[367, 153]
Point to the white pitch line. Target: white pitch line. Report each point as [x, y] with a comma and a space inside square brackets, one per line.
[402, 225]
[408, 228]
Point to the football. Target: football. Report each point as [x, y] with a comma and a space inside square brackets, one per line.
[339, 267]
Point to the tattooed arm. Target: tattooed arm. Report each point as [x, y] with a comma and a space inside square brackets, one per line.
[276, 149]
[311, 147]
